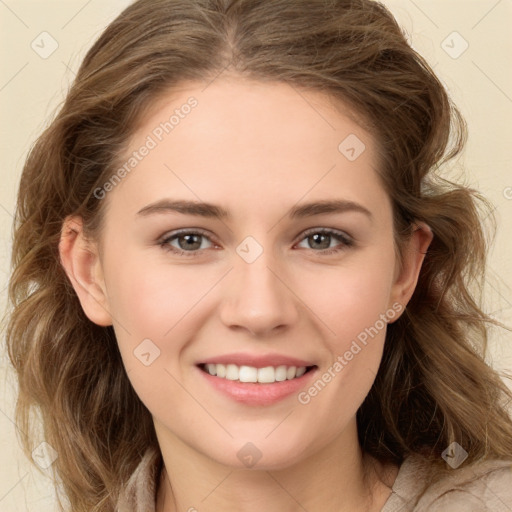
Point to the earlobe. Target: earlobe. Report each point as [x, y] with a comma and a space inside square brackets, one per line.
[80, 260]
[413, 257]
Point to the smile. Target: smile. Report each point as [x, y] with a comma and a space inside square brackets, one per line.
[266, 375]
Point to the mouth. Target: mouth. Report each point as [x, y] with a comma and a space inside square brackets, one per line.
[251, 374]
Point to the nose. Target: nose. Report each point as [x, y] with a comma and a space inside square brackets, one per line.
[259, 299]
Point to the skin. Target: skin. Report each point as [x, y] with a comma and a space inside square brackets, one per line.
[257, 150]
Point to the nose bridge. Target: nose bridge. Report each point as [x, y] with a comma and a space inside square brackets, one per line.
[257, 298]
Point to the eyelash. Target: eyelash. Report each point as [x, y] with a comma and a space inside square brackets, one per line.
[340, 236]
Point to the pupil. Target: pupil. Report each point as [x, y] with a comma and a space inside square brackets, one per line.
[316, 239]
[190, 240]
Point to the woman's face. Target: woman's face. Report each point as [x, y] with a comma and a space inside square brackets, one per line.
[248, 279]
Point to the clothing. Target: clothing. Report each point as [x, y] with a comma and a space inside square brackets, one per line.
[484, 487]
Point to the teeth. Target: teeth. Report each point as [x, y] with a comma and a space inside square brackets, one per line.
[212, 369]
[246, 373]
[300, 371]
[266, 375]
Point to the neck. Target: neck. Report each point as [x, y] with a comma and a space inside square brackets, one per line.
[338, 478]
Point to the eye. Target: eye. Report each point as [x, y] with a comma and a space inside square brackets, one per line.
[189, 243]
[322, 238]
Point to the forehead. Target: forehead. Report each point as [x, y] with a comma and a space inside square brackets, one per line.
[242, 140]
[251, 108]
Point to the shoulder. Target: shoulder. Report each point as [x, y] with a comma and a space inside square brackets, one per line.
[139, 493]
[481, 487]
[485, 486]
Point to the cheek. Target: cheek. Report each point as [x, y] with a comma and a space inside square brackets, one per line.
[350, 299]
[150, 299]
[151, 306]
[359, 305]
[339, 306]
[353, 307]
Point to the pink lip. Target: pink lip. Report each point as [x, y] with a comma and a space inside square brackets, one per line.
[256, 394]
[257, 361]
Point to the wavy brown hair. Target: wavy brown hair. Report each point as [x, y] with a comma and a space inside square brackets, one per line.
[433, 386]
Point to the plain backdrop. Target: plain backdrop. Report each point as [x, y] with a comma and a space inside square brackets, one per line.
[467, 42]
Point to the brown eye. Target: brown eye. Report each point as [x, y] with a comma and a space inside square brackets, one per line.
[187, 243]
[321, 239]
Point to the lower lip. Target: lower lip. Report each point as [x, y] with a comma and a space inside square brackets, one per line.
[252, 393]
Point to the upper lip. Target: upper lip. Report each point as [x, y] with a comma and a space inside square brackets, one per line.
[257, 361]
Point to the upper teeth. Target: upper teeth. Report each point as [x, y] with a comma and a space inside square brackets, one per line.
[251, 374]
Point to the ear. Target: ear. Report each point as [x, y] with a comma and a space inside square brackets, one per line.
[81, 262]
[414, 253]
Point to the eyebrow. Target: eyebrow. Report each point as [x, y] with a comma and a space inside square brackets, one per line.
[213, 211]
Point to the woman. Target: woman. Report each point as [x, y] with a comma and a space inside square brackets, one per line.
[188, 343]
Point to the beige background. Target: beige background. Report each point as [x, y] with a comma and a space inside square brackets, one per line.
[32, 86]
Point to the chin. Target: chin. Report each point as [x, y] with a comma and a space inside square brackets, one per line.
[260, 455]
